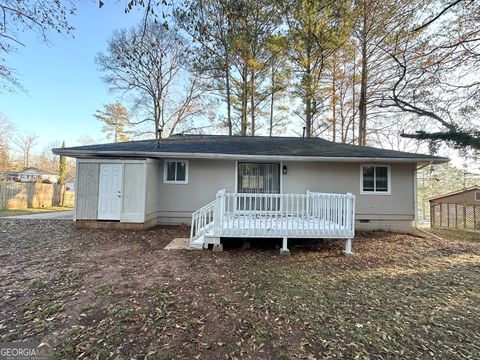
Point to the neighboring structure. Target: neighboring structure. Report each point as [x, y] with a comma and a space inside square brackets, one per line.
[9, 176]
[458, 209]
[331, 187]
[70, 184]
[34, 175]
[31, 175]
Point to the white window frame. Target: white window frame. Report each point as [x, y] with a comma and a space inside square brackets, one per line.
[165, 169]
[477, 195]
[375, 192]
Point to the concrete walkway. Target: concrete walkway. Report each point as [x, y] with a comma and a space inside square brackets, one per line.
[51, 215]
[180, 244]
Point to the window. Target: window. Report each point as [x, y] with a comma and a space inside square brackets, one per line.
[175, 172]
[477, 195]
[375, 179]
[258, 178]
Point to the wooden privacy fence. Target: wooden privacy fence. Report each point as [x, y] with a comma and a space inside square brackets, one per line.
[15, 195]
[455, 216]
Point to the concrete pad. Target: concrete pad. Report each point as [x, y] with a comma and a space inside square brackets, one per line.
[178, 244]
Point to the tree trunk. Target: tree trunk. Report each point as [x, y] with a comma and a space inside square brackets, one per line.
[243, 127]
[334, 103]
[252, 101]
[353, 95]
[362, 106]
[156, 118]
[272, 96]
[229, 101]
[308, 102]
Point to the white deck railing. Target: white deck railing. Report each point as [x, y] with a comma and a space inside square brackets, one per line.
[310, 215]
[202, 221]
[284, 215]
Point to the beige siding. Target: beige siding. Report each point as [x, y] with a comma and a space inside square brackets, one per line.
[86, 206]
[152, 195]
[133, 208]
[148, 199]
[345, 177]
[388, 212]
[205, 178]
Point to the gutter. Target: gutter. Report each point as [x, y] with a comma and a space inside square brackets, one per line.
[425, 165]
[177, 155]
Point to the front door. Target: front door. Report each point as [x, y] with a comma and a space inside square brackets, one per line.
[110, 192]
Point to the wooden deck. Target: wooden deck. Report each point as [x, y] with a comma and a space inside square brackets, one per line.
[310, 215]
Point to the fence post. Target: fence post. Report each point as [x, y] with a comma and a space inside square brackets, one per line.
[432, 214]
[456, 217]
[448, 215]
[474, 218]
[218, 212]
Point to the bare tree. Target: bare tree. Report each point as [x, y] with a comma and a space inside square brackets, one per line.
[151, 64]
[6, 129]
[437, 74]
[25, 143]
[47, 160]
[39, 17]
[86, 139]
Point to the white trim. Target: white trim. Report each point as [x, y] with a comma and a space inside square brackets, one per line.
[259, 162]
[281, 177]
[477, 198]
[111, 161]
[389, 180]
[271, 158]
[75, 205]
[175, 182]
[415, 198]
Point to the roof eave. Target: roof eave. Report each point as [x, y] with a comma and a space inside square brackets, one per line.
[456, 192]
[185, 155]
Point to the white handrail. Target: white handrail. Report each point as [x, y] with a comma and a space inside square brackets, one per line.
[310, 214]
[202, 221]
[314, 215]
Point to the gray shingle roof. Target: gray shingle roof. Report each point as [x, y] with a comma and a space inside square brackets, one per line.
[237, 145]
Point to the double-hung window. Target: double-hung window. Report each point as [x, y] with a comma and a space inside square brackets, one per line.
[375, 179]
[175, 172]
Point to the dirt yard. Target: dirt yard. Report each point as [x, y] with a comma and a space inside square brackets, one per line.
[118, 294]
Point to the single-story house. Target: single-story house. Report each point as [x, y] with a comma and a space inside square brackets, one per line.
[35, 175]
[247, 186]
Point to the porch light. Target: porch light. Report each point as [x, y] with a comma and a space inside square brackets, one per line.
[284, 170]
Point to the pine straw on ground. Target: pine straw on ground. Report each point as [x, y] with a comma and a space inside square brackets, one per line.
[118, 294]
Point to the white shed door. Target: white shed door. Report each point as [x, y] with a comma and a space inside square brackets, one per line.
[110, 192]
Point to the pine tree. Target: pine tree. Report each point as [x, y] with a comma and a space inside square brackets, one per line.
[316, 29]
[62, 169]
[115, 119]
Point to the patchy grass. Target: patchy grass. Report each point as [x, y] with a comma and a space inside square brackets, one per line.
[14, 212]
[107, 294]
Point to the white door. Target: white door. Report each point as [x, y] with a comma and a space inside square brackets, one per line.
[110, 192]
